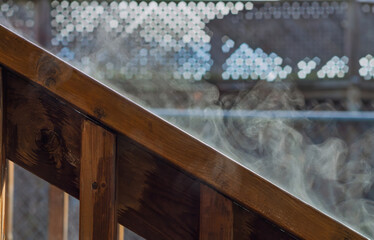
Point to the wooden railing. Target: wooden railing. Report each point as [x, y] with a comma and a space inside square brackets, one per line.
[126, 165]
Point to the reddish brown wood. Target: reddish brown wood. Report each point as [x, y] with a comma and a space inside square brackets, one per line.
[98, 217]
[58, 214]
[216, 215]
[180, 149]
[156, 201]
[151, 192]
[44, 135]
[249, 225]
[143, 174]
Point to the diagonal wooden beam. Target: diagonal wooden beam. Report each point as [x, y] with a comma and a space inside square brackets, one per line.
[175, 146]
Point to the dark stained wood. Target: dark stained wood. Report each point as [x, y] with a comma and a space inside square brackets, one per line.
[43, 138]
[3, 162]
[149, 185]
[156, 201]
[178, 148]
[98, 212]
[216, 215]
[249, 225]
[58, 214]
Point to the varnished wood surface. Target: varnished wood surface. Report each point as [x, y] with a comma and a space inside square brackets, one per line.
[97, 198]
[249, 225]
[41, 137]
[177, 147]
[58, 214]
[216, 215]
[142, 175]
[156, 200]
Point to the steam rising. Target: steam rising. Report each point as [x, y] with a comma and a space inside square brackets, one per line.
[309, 159]
[328, 173]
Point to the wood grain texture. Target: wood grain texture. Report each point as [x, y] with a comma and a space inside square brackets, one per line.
[250, 225]
[180, 149]
[156, 201]
[216, 215]
[3, 162]
[58, 214]
[98, 211]
[143, 175]
[44, 135]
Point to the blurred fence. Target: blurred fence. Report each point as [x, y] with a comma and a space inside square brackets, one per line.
[133, 47]
[273, 41]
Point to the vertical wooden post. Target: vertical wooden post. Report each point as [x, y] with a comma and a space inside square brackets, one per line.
[58, 214]
[216, 215]
[3, 162]
[9, 201]
[98, 217]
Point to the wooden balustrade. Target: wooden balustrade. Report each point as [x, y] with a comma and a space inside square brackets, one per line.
[64, 127]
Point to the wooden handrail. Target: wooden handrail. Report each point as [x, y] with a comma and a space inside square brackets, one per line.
[180, 149]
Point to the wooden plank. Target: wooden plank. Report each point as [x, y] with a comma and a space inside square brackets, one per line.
[43, 138]
[153, 185]
[143, 173]
[156, 201]
[250, 225]
[216, 215]
[158, 191]
[97, 214]
[58, 214]
[9, 202]
[179, 148]
[151, 193]
[3, 162]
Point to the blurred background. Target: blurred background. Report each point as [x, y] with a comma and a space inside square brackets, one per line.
[283, 87]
